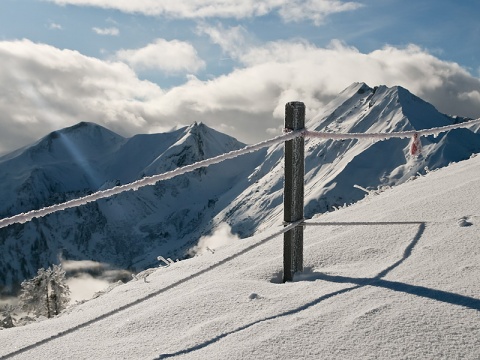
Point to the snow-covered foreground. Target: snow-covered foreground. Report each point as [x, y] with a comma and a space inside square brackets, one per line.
[395, 276]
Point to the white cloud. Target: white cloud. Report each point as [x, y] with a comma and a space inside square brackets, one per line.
[84, 286]
[296, 10]
[253, 97]
[51, 88]
[169, 56]
[315, 10]
[54, 26]
[82, 265]
[233, 41]
[112, 31]
[472, 96]
[221, 237]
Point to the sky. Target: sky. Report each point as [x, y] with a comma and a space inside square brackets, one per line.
[149, 66]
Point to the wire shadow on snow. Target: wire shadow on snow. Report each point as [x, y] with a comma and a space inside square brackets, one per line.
[312, 277]
[151, 295]
[408, 249]
[439, 295]
[406, 253]
[244, 327]
[421, 291]
[377, 281]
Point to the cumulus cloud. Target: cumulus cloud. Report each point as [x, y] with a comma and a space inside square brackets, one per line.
[54, 26]
[169, 56]
[233, 41]
[84, 286]
[281, 71]
[315, 10]
[51, 88]
[288, 10]
[82, 265]
[112, 31]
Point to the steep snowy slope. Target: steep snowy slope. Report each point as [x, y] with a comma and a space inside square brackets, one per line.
[392, 277]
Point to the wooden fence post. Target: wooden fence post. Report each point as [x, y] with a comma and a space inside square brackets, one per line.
[293, 191]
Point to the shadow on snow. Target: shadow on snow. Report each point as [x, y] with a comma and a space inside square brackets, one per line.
[377, 281]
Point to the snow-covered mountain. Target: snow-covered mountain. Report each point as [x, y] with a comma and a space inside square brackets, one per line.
[130, 230]
[333, 168]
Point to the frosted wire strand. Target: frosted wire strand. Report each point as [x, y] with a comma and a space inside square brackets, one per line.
[151, 180]
[385, 136]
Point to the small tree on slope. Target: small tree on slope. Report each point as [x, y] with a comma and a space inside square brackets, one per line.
[34, 295]
[59, 290]
[47, 294]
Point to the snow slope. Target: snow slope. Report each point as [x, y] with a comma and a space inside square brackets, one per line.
[394, 276]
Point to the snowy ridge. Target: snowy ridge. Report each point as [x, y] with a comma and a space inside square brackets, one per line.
[385, 136]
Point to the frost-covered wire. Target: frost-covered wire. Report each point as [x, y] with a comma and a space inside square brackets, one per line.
[150, 180]
[384, 136]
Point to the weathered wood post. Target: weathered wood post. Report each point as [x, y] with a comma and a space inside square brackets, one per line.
[293, 191]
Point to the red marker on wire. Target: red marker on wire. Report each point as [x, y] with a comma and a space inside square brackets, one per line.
[415, 145]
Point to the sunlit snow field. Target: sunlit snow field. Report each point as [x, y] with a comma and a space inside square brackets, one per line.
[394, 276]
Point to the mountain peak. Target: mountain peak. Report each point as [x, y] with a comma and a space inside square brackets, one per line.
[405, 96]
[89, 129]
[355, 88]
[197, 127]
[77, 144]
[420, 113]
[361, 87]
[186, 145]
[359, 108]
[207, 141]
[81, 125]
